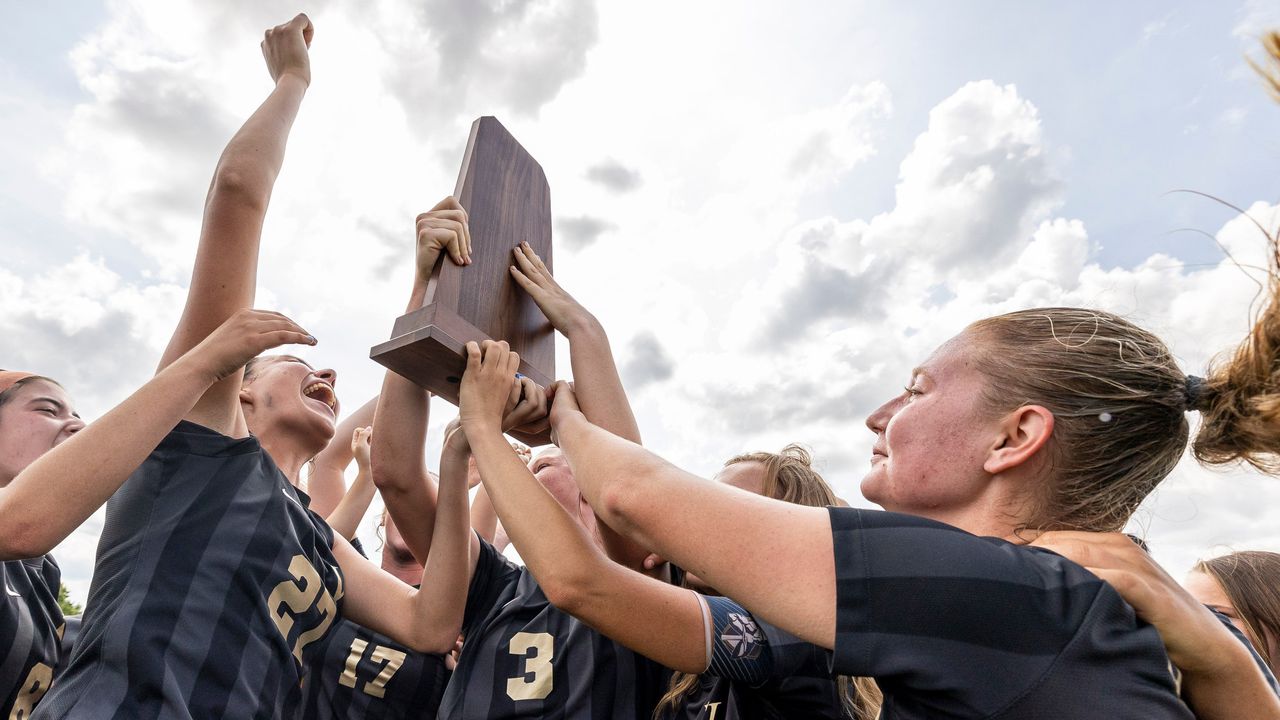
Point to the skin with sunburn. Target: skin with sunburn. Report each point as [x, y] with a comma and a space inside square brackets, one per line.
[38, 417]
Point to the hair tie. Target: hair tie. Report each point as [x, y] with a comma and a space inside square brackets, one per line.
[1193, 391]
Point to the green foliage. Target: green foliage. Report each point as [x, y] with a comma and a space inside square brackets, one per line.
[64, 601]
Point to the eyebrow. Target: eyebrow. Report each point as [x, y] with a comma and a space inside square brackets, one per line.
[55, 402]
[293, 358]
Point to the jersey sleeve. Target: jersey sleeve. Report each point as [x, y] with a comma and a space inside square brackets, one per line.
[920, 602]
[493, 577]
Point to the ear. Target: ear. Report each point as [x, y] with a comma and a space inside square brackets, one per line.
[246, 399]
[1023, 433]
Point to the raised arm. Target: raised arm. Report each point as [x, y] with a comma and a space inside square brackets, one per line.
[52, 496]
[1220, 678]
[595, 374]
[345, 518]
[782, 571]
[226, 265]
[326, 485]
[399, 457]
[654, 618]
[429, 619]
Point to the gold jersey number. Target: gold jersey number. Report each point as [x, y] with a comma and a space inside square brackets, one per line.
[391, 658]
[293, 598]
[535, 682]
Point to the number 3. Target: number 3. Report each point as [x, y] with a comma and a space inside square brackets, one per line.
[522, 687]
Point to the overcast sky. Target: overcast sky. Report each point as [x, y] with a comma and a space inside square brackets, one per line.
[775, 209]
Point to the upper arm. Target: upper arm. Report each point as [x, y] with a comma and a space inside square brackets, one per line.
[374, 598]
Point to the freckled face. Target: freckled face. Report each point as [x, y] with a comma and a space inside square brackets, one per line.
[38, 417]
[932, 440]
[289, 396]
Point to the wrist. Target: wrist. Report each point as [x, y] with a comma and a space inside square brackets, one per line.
[583, 326]
[294, 79]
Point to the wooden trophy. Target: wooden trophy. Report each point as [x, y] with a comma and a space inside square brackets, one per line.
[508, 201]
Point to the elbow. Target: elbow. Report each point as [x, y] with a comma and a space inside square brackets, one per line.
[241, 185]
[385, 478]
[21, 540]
[571, 588]
[436, 642]
[620, 502]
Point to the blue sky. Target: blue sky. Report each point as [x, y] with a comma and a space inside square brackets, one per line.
[822, 192]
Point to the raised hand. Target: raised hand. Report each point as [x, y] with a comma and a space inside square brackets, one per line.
[360, 443]
[564, 404]
[443, 228]
[531, 274]
[285, 48]
[245, 335]
[485, 394]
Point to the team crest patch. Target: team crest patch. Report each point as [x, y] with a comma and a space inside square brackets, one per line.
[741, 636]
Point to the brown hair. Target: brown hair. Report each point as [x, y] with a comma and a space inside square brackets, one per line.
[1269, 68]
[1251, 581]
[789, 476]
[1118, 400]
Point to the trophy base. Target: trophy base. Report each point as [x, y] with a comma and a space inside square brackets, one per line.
[428, 348]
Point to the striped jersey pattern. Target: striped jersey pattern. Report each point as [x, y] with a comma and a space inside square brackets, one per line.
[212, 584]
[524, 658]
[953, 625]
[30, 629]
[361, 674]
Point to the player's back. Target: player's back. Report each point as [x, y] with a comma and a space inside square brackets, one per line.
[524, 658]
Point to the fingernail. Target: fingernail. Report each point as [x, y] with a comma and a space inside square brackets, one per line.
[519, 376]
[312, 339]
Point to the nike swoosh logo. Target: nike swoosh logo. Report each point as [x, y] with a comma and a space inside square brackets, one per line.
[10, 590]
[292, 499]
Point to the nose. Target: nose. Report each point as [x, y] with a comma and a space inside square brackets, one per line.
[879, 420]
[328, 375]
[75, 426]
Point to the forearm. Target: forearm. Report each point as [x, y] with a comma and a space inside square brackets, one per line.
[653, 618]
[698, 524]
[596, 382]
[1235, 690]
[484, 519]
[554, 547]
[399, 457]
[345, 518]
[225, 272]
[49, 499]
[326, 485]
[442, 594]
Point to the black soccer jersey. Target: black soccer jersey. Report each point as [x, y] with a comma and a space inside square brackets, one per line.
[524, 658]
[799, 685]
[213, 582]
[361, 674]
[30, 628]
[953, 625]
